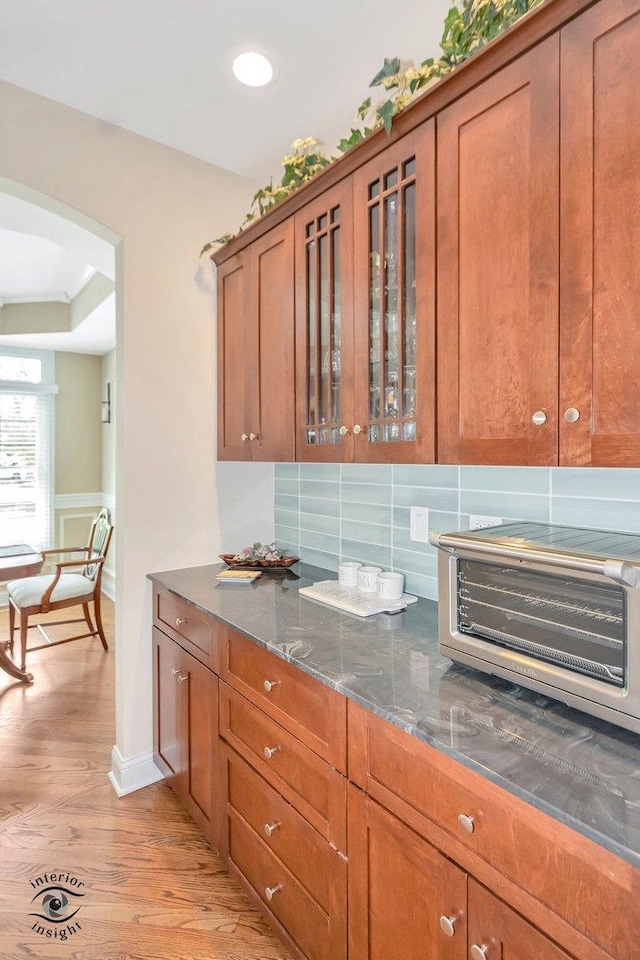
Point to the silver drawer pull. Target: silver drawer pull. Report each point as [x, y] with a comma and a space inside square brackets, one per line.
[270, 828]
[466, 822]
[571, 415]
[174, 673]
[539, 418]
[180, 621]
[478, 953]
[182, 677]
[269, 752]
[244, 436]
[357, 429]
[269, 685]
[253, 436]
[270, 892]
[448, 925]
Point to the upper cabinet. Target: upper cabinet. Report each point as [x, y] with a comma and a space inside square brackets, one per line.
[600, 224]
[498, 266]
[365, 302]
[538, 346]
[491, 319]
[256, 350]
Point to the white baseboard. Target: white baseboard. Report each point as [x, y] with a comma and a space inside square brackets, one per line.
[133, 774]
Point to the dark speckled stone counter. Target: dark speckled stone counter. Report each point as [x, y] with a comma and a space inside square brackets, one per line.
[580, 770]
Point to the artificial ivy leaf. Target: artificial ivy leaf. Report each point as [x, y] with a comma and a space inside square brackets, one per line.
[385, 112]
[389, 69]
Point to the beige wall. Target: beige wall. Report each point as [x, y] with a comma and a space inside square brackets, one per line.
[163, 205]
[78, 446]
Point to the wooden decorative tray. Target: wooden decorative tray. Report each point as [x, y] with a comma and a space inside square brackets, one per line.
[258, 564]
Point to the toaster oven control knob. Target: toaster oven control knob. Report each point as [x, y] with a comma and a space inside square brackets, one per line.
[478, 953]
[466, 823]
[571, 415]
[448, 926]
[539, 418]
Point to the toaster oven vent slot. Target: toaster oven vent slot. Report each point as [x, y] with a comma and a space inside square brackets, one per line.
[602, 671]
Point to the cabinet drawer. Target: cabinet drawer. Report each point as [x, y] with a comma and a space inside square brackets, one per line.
[314, 788]
[313, 712]
[193, 630]
[507, 843]
[284, 897]
[306, 854]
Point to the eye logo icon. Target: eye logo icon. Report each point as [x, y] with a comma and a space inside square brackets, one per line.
[56, 905]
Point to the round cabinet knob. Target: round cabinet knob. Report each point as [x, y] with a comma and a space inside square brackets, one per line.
[448, 926]
[269, 685]
[270, 752]
[244, 436]
[466, 823]
[270, 892]
[572, 415]
[478, 953]
[357, 429]
[180, 621]
[253, 436]
[343, 431]
[270, 828]
[175, 672]
[539, 418]
[182, 677]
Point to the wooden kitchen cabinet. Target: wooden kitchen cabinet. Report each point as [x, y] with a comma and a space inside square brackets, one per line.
[498, 199]
[538, 346]
[365, 299]
[399, 888]
[497, 933]
[186, 730]
[600, 237]
[256, 418]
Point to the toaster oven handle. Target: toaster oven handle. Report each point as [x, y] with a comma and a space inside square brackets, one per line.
[618, 570]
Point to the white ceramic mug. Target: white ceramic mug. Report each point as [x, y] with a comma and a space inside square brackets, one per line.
[390, 586]
[348, 573]
[368, 579]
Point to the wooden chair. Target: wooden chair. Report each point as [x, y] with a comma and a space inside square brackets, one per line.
[33, 596]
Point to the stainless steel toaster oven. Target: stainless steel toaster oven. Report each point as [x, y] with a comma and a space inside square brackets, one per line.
[553, 608]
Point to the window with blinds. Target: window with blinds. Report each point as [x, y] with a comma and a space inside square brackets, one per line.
[26, 434]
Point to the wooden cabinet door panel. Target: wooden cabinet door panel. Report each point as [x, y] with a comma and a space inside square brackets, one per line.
[399, 888]
[167, 733]
[498, 182]
[502, 933]
[600, 223]
[199, 690]
[394, 309]
[324, 326]
[271, 388]
[236, 357]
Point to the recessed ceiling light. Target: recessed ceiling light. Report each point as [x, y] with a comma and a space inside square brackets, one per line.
[252, 69]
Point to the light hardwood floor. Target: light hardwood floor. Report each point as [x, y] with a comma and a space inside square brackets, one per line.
[154, 889]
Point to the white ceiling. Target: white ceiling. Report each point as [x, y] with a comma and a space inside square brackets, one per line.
[162, 68]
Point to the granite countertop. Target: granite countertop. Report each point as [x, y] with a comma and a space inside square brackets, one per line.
[582, 771]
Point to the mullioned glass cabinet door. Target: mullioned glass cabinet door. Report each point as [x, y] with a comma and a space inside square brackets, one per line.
[324, 326]
[394, 303]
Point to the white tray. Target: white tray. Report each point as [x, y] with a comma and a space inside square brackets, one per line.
[352, 601]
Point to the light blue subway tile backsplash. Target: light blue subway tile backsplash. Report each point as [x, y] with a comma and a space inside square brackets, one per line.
[325, 512]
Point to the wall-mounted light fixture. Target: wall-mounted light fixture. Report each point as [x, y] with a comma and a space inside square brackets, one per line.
[106, 404]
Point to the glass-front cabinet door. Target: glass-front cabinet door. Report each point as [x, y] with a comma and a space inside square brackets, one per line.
[324, 326]
[394, 305]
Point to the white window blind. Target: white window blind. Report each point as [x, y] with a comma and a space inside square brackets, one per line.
[26, 441]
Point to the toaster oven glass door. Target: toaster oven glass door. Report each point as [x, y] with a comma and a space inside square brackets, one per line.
[578, 624]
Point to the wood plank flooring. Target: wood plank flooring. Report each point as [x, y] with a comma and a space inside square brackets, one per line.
[153, 887]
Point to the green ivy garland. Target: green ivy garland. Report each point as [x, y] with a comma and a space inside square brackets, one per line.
[465, 31]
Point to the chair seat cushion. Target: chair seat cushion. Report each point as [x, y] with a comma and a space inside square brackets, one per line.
[29, 591]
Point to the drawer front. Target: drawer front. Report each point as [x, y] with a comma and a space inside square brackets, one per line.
[314, 788]
[193, 630]
[306, 854]
[313, 712]
[283, 896]
[590, 888]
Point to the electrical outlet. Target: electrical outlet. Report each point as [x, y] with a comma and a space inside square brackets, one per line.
[419, 524]
[478, 521]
